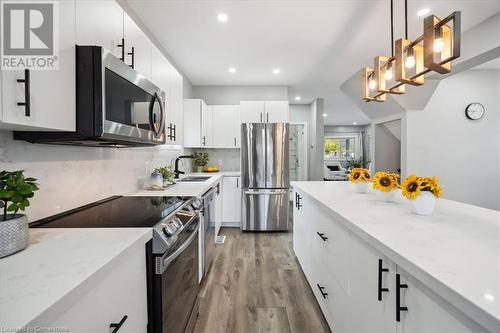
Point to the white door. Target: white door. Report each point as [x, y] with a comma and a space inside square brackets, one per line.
[277, 111]
[192, 123]
[231, 205]
[252, 111]
[99, 23]
[365, 311]
[226, 126]
[137, 47]
[52, 92]
[206, 126]
[428, 312]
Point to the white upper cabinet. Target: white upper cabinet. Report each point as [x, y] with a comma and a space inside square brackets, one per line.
[226, 126]
[137, 47]
[100, 23]
[51, 92]
[277, 111]
[252, 111]
[264, 112]
[207, 129]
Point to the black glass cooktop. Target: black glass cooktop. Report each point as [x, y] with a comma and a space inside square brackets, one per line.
[115, 212]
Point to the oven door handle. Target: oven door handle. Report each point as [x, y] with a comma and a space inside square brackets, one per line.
[168, 260]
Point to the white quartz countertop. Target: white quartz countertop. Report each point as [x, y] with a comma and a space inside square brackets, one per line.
[188, 189]
[58, 267]
[455, 251]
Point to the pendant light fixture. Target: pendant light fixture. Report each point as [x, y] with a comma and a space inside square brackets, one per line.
[432, 51]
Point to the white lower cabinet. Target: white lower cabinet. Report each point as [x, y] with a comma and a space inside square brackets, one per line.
[122, 292]
[357, 287]
[218, 207]
[231, 201]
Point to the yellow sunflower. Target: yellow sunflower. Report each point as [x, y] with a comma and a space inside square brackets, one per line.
[411, 187]
[432, 184]
[359, 175]
[385, 181]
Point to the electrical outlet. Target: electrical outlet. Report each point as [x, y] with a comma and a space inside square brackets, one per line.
[219, 162]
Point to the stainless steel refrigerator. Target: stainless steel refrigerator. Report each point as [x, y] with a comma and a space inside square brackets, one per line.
[265, 176]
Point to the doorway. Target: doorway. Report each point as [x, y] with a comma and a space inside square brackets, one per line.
[298, 152]
[388, 146]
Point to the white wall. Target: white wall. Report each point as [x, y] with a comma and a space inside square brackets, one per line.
[316, 139]
[232, 95]
[464, 154]
[387, 149]
[71, 176]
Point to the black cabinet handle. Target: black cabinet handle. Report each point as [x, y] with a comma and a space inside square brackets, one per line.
[299, 199]
[122, 45]
[237, 182]
[235, 141]
[117, 326]
[218, 189]
[321, 291]
[322, 236]
[381, 270]
[170, 132]
[26, 103]
[399, 308]
[267, 117]
[204, 141]
[174, 132]
[132, 53]
[296, 200]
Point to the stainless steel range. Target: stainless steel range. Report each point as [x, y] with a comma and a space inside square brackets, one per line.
[172, 254]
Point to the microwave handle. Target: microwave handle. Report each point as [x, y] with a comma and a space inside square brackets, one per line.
[152, 115]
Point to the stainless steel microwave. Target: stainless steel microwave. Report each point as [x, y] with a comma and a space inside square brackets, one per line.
[115, 105]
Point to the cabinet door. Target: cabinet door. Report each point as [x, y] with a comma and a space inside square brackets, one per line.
[252, 111]
[192, 123]
[231, 204]
[226, 125]
[428, 312]
[277, 112]
[99, 23]
[366, 313]
[137, 47]
[218, 207]
[52, 92]
[206, 126]
[301, 237]
[175, 94]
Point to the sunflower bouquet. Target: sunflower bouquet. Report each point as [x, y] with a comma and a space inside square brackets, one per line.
[385, 181]
[423, 191]
[359, 175]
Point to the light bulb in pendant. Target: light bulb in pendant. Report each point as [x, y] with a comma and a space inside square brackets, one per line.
[388, 75]
[372, 84]
[438, 45]
[410, 59]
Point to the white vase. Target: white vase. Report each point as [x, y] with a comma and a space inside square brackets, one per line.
[360, 187]
[424, 204]
[386, 196]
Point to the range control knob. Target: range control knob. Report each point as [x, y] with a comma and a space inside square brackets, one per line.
[177, 223]
[197, 204]
[169, 230]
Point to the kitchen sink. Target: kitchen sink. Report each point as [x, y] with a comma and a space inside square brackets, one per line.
[194, 179]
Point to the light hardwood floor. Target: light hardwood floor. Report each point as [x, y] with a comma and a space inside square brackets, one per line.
[256, 285]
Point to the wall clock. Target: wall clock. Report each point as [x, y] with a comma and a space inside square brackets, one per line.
[474, 111]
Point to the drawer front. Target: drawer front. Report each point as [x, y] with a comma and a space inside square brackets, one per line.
[265, 210]
[330, 241]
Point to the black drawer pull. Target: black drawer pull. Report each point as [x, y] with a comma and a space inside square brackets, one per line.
[132, 54]
[298, 199]
[399, 308]
[26, 103]
[117, 326]
[322, 236]
[380, 271]
[122, 45]
[321, 291]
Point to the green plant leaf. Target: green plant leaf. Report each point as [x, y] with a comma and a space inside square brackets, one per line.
[5, 194]
[29, 179]
[12, 207]
[16, 198]
[2, 205]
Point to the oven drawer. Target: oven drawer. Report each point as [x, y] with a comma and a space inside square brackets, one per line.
[265, 210]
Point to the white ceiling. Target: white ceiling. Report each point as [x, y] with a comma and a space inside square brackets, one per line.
[316, 44]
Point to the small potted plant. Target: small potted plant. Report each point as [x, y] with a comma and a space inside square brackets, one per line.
[200, 159]
[15, 193]
[386, 184]
[423, 192]
[360, 177]
[167, 174]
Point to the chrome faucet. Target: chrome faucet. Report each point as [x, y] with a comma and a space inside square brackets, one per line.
[176, 170]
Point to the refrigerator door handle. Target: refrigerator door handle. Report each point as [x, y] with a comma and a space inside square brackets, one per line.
[266, 192]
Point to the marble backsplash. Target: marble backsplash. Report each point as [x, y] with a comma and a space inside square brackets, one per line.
[71, 176]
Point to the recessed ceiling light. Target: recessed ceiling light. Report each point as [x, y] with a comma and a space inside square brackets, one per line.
[423, 12]
[232, 70]
[324, 114]
[297, 98]
[354, 123]
[276, 71]
[222, 17]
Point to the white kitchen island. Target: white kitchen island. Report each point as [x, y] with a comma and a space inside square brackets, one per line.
[353, 248]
